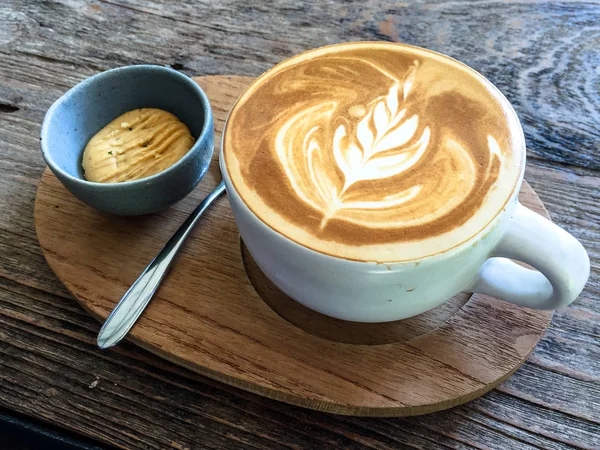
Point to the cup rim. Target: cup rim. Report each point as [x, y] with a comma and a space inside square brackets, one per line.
[520, 142]
[82, 85]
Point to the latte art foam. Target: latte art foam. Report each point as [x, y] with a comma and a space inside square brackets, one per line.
[373, 151]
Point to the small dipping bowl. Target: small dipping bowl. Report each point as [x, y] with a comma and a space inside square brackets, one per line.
[91, 105]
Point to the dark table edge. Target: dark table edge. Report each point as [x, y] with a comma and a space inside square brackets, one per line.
[18, 431]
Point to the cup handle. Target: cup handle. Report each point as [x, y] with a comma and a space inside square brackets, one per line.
[563, 264]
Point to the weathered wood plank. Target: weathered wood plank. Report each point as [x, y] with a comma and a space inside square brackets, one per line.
[537, 52]
[54, 340]
[557, 426]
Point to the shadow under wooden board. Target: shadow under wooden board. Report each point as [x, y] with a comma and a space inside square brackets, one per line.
[208, 316]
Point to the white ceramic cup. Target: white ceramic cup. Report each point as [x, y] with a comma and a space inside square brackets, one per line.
[373, 292]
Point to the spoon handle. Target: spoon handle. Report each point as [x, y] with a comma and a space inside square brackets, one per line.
[135, 300]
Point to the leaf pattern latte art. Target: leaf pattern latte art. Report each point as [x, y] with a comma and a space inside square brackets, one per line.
[384, 143]
[374, 151]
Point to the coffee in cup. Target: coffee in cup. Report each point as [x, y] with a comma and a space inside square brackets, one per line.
[373, 153]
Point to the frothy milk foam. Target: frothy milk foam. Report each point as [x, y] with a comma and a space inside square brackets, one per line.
[374, 151]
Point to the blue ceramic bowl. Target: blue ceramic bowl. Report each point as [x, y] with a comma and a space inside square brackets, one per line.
[84, 110]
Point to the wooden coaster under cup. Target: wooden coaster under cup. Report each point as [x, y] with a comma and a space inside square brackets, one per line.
[208, 315]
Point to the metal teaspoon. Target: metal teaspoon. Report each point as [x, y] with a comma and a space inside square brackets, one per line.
[137, 297]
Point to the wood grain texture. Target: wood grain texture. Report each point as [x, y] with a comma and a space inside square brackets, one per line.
[207, 316]
[542, 54]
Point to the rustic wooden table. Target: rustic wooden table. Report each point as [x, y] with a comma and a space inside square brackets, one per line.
[545, 56]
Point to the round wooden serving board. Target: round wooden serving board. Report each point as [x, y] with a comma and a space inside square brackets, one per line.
[208, 316]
